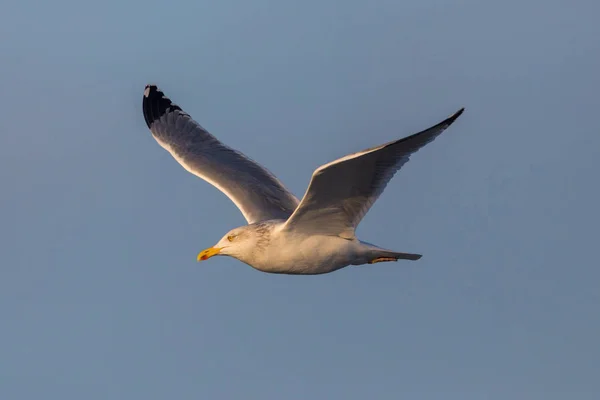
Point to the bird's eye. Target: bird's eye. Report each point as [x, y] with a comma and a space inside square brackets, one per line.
[230, 238]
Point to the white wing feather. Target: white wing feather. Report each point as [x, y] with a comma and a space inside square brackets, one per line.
[342, 192]
[253, 189]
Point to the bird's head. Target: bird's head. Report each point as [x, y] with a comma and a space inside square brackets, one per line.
[238, 243]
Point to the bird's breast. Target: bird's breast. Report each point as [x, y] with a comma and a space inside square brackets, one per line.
[308, 255]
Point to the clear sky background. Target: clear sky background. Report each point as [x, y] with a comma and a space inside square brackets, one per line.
[100, 293]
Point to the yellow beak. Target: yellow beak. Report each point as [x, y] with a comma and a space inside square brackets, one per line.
[208, 253]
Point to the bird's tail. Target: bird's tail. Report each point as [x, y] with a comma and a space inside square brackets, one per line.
[407, 256]
[373, 254]
[385, 255]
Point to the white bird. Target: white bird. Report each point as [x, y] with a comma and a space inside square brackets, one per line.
[284, 235]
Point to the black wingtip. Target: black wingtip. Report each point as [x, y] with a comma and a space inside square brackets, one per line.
[155, 104]
[454, 116]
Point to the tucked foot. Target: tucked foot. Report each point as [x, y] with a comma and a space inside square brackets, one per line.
[382, 259]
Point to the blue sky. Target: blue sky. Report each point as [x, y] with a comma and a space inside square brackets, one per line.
[100, 293]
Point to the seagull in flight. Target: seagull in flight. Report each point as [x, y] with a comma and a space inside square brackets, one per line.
[284, 235]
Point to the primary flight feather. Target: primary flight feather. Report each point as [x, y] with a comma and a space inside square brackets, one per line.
[313, 236]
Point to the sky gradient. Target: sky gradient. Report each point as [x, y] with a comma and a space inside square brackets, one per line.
[100, 293]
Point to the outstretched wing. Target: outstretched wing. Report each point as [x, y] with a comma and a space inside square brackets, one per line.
[340, 193]
[255, 191]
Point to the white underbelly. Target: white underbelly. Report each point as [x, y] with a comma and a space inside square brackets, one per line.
[308, 255]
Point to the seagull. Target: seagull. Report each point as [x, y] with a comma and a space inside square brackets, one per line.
[284, 235]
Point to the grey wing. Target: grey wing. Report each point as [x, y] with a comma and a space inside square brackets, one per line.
[342, 192]
[253, 189]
